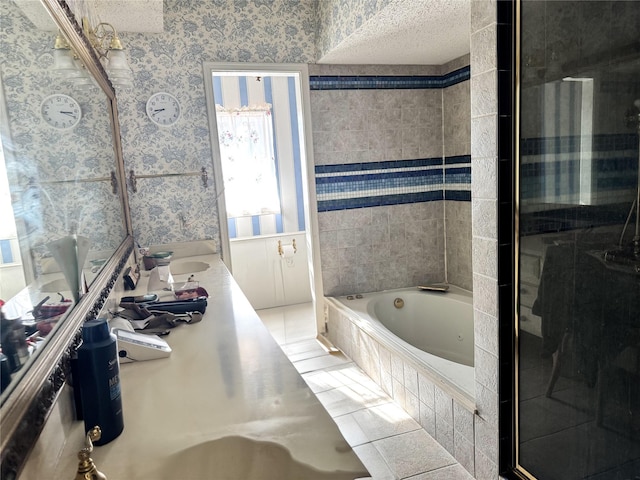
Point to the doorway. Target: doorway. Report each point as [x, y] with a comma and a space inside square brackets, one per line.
[263, 170]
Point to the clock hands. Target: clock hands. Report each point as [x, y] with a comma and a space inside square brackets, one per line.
[71, 114]
[163, 109]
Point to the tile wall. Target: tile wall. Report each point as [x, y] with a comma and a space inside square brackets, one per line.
[456, 102]
[385, 178]
[484, 204]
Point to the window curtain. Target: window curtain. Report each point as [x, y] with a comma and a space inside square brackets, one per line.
[248, 166]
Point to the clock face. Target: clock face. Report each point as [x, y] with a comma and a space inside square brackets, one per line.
[60, 111]
[163, 109]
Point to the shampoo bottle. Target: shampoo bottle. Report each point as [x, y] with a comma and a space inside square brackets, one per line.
[99, 380]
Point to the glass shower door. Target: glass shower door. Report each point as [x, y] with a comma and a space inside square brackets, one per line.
[578, 369]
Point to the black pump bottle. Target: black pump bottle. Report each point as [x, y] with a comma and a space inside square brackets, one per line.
[99, 380]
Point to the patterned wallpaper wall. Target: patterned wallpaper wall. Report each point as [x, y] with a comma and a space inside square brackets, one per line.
[174, 209]
[42, 162]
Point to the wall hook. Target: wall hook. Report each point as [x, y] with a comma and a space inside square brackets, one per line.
[114, 182]
[133, 181]
[205, 177]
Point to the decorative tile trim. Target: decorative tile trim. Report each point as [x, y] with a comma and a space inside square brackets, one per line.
[358, 185]
[567, 144]
[377, 201]
[396, 82]
[351, 167]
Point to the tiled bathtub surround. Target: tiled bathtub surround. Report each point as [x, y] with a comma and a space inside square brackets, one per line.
[449, 420]
[396, 146]
[379, 248]
[457, 220]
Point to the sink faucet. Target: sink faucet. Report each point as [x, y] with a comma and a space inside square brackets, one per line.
[86, 468]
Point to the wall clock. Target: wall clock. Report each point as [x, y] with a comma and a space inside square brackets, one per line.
[163, 109]
[60, 111]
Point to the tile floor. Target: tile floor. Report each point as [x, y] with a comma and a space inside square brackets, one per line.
[386, 439]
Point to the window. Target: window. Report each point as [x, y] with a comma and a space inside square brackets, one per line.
[246, 149]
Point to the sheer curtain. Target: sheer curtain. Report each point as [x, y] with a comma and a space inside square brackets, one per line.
[248, 166]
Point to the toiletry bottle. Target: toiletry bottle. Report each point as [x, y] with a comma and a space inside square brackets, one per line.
[99, 380]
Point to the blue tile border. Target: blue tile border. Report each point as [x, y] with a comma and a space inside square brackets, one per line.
[351, 167]
[458, 195]
[457, 159]
[358, 185]
[388, 82]
[380, 176]
[378, 201]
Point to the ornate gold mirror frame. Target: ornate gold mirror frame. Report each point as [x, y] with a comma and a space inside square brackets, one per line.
[27, 407]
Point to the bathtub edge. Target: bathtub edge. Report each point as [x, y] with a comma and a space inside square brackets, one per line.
[461, 397]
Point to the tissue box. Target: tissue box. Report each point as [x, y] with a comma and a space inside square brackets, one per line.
[186, 290]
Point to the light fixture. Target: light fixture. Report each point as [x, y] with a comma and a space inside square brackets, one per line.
[108, 47]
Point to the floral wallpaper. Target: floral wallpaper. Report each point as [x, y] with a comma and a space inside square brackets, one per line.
[337, 19]
[258, 31]
[42, 162]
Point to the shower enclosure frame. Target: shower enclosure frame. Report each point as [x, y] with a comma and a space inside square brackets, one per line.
[509, 229]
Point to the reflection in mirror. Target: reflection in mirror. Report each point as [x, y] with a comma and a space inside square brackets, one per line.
[61, 213]
[578, 370]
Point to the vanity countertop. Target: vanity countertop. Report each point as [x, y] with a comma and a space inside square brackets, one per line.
[226, 377]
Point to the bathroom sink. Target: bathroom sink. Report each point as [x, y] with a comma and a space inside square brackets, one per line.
[188, 267]
[59, 285]
[241, 458]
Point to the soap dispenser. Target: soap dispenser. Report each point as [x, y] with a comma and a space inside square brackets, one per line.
[99, 380]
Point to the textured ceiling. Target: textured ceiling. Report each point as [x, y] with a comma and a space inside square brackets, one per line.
[410, 32]
[124, 15]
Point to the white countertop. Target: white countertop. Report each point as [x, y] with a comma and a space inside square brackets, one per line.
[226, 376]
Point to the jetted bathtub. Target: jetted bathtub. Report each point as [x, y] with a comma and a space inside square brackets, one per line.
[433, 329]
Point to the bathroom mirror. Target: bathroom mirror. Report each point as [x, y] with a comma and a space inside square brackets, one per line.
[65, 223]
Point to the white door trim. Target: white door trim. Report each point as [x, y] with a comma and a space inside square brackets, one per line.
[308, 183]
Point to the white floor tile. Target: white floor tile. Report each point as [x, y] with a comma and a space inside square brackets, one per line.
[412, 453]
[351, 430]
[386, 439]
[303, 346]
[323, 380]
[373, 461]
[291, 323]
[343, 400]
[383, 421]
[318, 363]
[452, 472]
